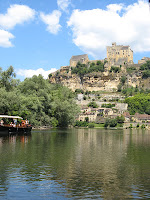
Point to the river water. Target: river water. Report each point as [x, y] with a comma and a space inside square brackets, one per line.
[76, 164]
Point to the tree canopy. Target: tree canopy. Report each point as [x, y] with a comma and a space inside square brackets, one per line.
[38, 100]
[82, 69]
[145, 68]
[139, 103]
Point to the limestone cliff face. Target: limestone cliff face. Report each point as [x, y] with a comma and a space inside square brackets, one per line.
[98, 81]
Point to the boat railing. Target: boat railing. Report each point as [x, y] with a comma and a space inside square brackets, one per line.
[16, 125]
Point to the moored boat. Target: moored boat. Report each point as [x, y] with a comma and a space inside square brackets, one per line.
[14, 125]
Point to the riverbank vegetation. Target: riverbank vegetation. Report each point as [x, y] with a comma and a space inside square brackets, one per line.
[139, 103]
[44, 104]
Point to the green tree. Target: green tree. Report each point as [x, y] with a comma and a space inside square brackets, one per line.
[139, 103]
[123, 79]
[39, 101]
[120, 119]
[7, 79]
[145, 68]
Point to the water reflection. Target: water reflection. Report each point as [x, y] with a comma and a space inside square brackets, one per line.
[76, 163]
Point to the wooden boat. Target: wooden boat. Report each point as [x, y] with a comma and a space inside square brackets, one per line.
[14, 128]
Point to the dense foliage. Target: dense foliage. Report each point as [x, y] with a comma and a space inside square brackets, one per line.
[145, 68]
[82, 69]
[38, 100]
[113, 122]
[115, 69]
[131, 69]
[139, 103]
[93, 104]
[109, 105]
[81, 123]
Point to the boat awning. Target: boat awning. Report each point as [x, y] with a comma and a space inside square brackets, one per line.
[12, 117]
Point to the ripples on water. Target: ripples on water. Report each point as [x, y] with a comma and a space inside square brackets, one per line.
[76, 164]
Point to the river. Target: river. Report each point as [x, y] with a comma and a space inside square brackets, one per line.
[76, 164]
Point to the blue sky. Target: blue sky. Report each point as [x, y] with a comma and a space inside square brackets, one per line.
[40, 36]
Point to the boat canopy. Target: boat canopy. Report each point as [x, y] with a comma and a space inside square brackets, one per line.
[12, 117]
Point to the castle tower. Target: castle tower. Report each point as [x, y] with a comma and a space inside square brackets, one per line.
[119, 54]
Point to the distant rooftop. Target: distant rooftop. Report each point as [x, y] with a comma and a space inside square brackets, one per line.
[79, 57]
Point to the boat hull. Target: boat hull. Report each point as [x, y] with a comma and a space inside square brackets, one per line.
[14, 130]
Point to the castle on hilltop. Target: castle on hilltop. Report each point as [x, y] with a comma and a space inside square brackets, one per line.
[119, 63]
[119, 54]
[116, 55]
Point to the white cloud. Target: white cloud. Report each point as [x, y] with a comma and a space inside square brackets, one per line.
[63, 4]
[28, 73]
[16, 14]
[94, 29]
[52, 21]
[5, 37]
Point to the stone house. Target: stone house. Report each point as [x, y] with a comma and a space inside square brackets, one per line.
[143, 60]
[64, 69]
[141, 117]
[127, 116]
[83, 59]
[85, 109]
[91, 116]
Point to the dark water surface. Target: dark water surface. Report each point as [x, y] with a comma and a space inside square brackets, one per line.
[76, 164]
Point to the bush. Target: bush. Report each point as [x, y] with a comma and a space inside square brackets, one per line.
[91, 125]
[123, 79]
[93, 104]
[81, 123]
[78, 91]
[113, 122]
[120, 119]
[110, 122]
[108, 105]
[143, 126]
[115, 69]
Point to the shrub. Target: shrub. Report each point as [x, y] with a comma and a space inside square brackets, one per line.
[81, 123]
[108, 105]
[91, 125]
[143, 126]
[113, 122]
[123, 79]
[115, 69]
[93, 104]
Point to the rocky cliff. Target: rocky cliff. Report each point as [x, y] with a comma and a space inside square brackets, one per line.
[99, 81]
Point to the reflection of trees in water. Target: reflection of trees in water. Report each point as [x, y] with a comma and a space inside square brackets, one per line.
[100, 163]
[9, 146]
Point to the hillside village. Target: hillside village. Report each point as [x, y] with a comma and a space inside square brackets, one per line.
[101, 87]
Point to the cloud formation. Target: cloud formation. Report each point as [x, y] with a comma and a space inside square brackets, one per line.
[52, 21]
[28, 73]
[5, 37]
[63, 4]
[16, 14]
[94, 29]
